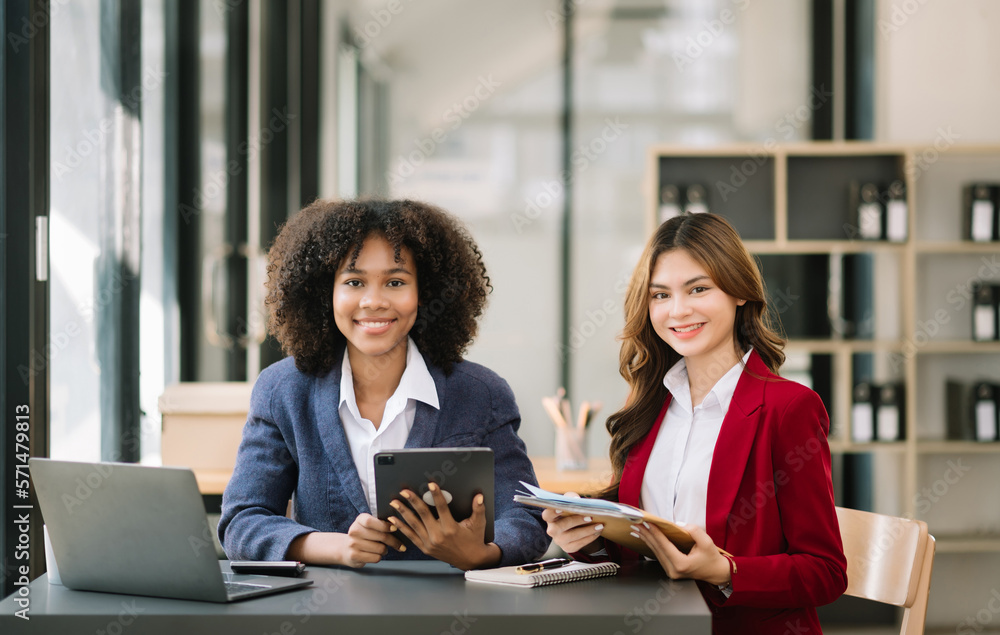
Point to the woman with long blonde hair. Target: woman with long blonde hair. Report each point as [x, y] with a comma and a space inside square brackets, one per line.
[714, 440]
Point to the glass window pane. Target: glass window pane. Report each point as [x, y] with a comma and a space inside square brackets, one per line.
[157, 304]
[211, 196]
[644, 73]
[478, 133]
[80, 119]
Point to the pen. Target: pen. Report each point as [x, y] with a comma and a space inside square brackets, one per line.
[535, 567]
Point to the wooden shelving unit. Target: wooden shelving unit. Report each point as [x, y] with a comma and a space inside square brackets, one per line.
[766, 192]
[967, 544]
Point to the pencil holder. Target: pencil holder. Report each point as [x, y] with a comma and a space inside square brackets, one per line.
[570, 454]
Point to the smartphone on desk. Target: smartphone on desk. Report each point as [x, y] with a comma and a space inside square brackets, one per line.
[265, 567]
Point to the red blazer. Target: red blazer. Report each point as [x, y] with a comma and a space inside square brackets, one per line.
[770, 504]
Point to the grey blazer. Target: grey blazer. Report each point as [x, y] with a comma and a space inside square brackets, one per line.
[294, 442]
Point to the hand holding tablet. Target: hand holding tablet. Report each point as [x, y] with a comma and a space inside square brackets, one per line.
[441, 501]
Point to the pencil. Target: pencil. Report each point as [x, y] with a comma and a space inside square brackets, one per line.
[551, 407]
[584, 416]
[567, 411]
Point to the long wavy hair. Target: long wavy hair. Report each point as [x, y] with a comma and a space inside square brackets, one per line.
[302, 262]
[645, 358]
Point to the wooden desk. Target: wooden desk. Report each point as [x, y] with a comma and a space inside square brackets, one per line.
[596, 476]
[203, 424]
[419, 597]
[212, 481]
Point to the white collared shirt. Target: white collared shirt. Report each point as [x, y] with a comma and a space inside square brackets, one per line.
[675, 484]
[365, 440]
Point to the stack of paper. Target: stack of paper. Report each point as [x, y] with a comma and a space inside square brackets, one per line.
[617, 518]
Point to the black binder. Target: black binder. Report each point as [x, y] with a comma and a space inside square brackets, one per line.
[857, 296]
[890, 419]
[985, 324]
[696, 199]
[863, 411]
[869, 214]
[670, 202]
[984, 411]
[896, 216]
[797, 290]
[959, 409]
[981, 202]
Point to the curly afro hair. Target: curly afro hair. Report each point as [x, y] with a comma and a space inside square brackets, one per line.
[451, 277]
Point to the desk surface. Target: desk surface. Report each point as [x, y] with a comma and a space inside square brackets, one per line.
[389, 597]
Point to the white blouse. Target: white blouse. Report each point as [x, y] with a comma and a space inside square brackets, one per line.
[675, 484]
[416, 384]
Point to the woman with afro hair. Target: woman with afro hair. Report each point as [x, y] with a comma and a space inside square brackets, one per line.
[374, 302]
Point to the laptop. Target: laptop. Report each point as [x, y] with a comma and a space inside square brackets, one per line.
[139, 530]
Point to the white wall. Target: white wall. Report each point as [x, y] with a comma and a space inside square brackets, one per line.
[937, 66]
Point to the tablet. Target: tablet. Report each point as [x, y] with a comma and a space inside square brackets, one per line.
[461, 473]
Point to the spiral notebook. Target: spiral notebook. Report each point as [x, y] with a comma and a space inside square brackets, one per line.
[567, 573]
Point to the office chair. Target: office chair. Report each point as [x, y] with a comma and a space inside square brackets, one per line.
[889, 560]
